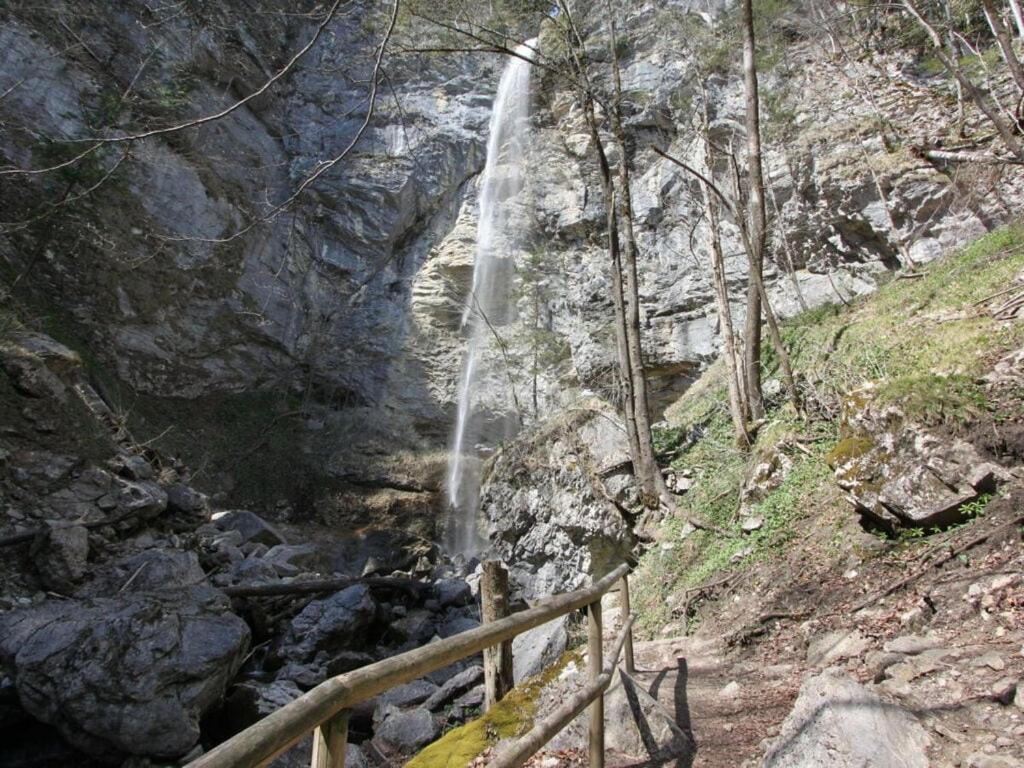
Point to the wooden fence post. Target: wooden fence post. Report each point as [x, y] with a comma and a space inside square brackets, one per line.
[624, 610]
[329, 742]
[594, 663]
[494, 605]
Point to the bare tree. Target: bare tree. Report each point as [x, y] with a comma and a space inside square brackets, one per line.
[982, 100]
[738, 408]
[1002, 35]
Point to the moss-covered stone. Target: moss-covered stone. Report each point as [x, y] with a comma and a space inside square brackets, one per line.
[512, 716]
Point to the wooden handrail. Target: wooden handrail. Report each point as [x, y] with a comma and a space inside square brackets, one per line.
[524, 748]
[264, 740]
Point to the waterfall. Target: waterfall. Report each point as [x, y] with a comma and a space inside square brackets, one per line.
[488, 305]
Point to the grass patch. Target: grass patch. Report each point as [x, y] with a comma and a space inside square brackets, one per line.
[923, 341]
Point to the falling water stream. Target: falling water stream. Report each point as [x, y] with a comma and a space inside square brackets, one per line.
[488, 305]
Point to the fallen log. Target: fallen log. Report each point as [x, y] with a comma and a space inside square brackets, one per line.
[20, 538]
[410, 586]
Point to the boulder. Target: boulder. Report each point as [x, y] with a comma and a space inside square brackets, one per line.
[60, 557]
[334, 623]
[453, 593]
[408, 695]
[251, 526]
[547, 515]
[831, 647]
[455, 625]
[636, 724]
[37, 365]
[149, 570]
[900, 474]
[185, 500]
[454, 687]
[417, 626]
[404, 733]
[290, 559]
[125, 676]
[837, 723]
[538, 648]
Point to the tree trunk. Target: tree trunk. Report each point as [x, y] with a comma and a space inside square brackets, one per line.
[756, 220]
[494, 606]
[577, 50]
[647, 473]
[1002, 34]
[737, 407]
[983, 102]
[1018, 17]
[756, 216]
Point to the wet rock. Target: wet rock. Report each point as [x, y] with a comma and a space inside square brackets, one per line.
[251, 526]
[538, 648]
[148, 663]
[300, 756]
[346, 661]
[60, 557]
[417, 626]
[836, 723]
[454, 687]
[337, 622]
[250, 701]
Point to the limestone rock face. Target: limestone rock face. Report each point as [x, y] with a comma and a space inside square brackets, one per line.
[551, 516]
[129, 675]
[840, 724]
[898, 473]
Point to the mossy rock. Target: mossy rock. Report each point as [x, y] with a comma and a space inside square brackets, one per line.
[511, 717]
[847, 450]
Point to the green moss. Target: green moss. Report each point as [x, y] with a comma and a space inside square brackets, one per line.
[849, 449]
[935, 399]
[512, 716]
[924, 341]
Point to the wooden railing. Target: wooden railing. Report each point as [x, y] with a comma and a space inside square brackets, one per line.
[324, 710]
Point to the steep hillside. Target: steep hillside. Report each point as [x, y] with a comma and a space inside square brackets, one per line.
[811, 573]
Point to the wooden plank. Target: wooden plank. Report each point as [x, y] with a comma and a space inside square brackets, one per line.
[624, 612]
[329, 742]
[494, 605]
[594, 663]
[268, 738]
[521, 750]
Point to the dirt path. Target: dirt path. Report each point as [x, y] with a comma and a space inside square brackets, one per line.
[728, 707]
